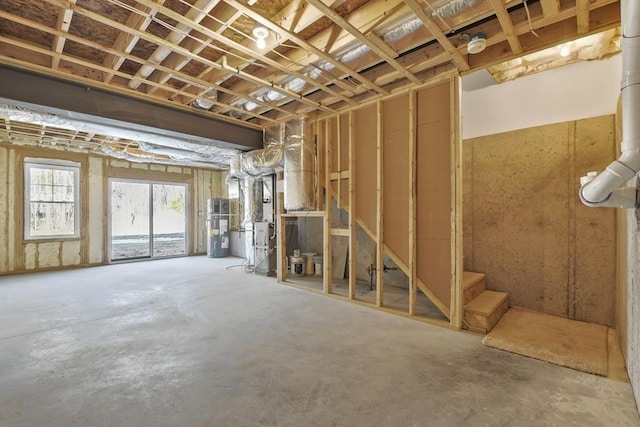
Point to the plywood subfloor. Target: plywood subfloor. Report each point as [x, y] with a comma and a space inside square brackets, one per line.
[577, 345]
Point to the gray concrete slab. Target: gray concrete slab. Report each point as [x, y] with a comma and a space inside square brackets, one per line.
[188, 342]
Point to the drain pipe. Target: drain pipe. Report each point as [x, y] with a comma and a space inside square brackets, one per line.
[603, 190]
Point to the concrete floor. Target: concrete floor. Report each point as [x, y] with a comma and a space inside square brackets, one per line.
[186, 342]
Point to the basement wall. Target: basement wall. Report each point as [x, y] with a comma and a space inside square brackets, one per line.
[18, 255]
[525, 227]
[570, 93]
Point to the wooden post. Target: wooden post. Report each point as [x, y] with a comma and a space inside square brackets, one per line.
[339, 165]
[327, 255]
[318, 172]
[379, 209]
[352, 210]
[457, 308]
[413, 296]
[282, 234]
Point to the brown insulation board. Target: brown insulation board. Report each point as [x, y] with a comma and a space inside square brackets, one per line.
[366, 165]
[531, 235]
[396, 176]
[595, 229]
[520, 215]
[467, 207]
[433, 190]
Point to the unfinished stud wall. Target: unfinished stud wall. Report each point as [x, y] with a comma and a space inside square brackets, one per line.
[405, 175]
[18, 255]
[525, 227]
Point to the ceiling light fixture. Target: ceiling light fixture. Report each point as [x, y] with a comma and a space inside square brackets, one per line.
[260, 32]
[477, 43]
[565, 49]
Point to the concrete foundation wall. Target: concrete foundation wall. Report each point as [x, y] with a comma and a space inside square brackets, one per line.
[632, 338]
[525, 227]
[18, 255]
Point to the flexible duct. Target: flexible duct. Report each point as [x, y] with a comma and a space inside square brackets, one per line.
[150, 158]
[299, 166]
[260, 163]
[147, 141]
[451, 8]
[252, 197]
[602, 190]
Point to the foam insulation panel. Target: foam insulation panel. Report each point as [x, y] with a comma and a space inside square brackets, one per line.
[71, 252]
[30, 254]
[48, 254]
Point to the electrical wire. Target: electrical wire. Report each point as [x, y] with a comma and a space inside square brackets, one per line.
[526, 8]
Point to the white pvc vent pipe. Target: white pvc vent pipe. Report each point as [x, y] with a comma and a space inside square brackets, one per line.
[603, 189]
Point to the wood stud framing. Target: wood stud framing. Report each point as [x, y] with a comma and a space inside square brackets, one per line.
[328, 264]
[412, 204]
[549, 7]
[456, 56]
[507, 26]
[374, 42]
[379, 207]
[457, 292]
[352, 210]
[582, 16]
[209, 48]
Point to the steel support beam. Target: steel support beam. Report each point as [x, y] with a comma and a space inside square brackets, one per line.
[68, 99]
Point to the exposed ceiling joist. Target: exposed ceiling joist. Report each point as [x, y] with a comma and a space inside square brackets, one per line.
[507, 26]
[321, 56]
[456, 57]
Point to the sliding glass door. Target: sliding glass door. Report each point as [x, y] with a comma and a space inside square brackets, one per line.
[147, 219]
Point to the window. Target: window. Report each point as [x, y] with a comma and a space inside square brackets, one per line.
[51, 194]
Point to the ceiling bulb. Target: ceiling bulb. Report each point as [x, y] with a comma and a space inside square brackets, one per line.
[565, 50]
[261, 43]
[260, 31]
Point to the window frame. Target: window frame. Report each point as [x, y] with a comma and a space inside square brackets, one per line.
[53, 164]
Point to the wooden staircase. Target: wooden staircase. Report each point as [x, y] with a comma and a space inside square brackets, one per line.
[482, 308]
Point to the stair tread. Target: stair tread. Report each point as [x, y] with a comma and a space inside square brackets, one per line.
[470, 278]
[486, 302]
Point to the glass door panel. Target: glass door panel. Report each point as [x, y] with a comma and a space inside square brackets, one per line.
[130, 220]
[169, 220]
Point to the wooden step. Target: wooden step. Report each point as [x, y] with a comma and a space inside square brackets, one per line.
[482, 314]
[473, 284]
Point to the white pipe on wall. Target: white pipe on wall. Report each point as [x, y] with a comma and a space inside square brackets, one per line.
[602, 190]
